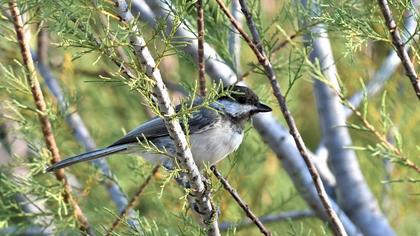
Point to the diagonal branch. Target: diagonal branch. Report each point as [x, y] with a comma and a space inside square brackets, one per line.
[43, 116]
[134, 200]
[400, 46]
[199, 194]
[201, 65]
[241, 202]
[263, 60]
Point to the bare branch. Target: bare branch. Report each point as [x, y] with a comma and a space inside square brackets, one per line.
[240, 202]
[134, 200]
[291, 215]
[43, 116]
[400, 46]
[184, 156]
[201, 65]
[257, 48]
[279, 46]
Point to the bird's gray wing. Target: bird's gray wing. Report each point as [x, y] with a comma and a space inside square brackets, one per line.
[155, 127]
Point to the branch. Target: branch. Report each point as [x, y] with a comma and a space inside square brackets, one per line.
[75, 122]
[356, 198]
[291, 215]
[184, 156]
[134, 200]
[43, 115]
[277, 48]
[380, 136]
[254, 219]
[257, 48]
[216, 67]
[234, 42]
[27, 231]
[272, 132]
[201, 65]
[400, 46]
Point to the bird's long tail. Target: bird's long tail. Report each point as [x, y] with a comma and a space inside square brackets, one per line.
[87, 156]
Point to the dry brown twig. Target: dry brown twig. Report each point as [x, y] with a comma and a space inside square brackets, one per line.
[134, 200]
[201, 65]
[400, 46]
[255, 220]
[380, 136]
[279, 46]
[256, 47]
[43, 116]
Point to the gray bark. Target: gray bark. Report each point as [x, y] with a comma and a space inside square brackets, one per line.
[354, 194]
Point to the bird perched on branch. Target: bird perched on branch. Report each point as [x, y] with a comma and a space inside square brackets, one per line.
[215, 132]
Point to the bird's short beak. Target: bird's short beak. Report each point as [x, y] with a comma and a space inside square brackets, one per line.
[261, 107]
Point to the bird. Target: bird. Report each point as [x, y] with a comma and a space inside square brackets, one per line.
[215, 131]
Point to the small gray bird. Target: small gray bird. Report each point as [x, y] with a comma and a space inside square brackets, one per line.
[215, 132]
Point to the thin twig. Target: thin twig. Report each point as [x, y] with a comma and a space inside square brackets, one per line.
[400, 46]
[279, 46]
[291, 215]
[240, 202]
[199, 193]
[263, 60]
[133, 202]
[201, 65]
[43, 115]
[380, 136]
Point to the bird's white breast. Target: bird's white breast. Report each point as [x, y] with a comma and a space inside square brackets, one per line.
[211, 146]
